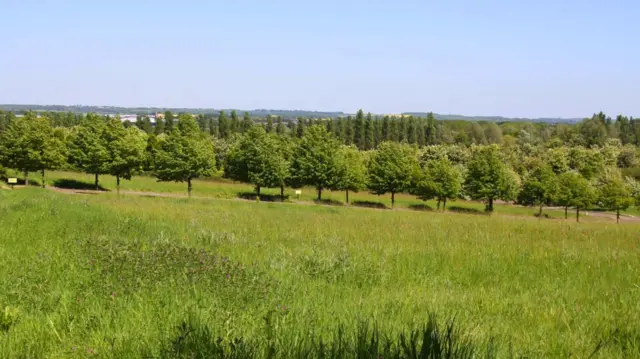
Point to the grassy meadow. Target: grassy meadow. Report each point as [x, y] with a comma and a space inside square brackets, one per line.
[224, 189]
[110, 276]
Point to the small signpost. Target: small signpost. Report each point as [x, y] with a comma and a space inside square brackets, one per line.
[298, 193]
[12, 182]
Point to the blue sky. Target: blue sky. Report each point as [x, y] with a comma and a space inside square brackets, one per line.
[513, 58]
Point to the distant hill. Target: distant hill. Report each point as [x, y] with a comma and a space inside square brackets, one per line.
[494, 118]
[286, 114]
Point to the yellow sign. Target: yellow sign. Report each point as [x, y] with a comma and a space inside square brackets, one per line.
[12, 180]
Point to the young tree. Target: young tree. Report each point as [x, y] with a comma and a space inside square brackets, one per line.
[88, 147]
[615, 195]
[314, 160]
[168, 121]
[247, 122]
[358, 130]
[127, 151]
[30, 143]
[159, 126]
[575, 191]
[280, 128]
[439, 179]
[269, 126]
[234, 125]
[391, 168]
[352, 171]
[255, 158]
[489, 178]
[540, 186]
[185, 154]
[223, 125]
[369, 138]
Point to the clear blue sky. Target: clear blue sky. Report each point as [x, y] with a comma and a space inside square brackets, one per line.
[541, 58]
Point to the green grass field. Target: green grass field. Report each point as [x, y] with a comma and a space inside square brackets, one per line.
[228, 190]
[132, 276]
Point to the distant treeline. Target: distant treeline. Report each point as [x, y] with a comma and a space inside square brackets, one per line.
[285, 114]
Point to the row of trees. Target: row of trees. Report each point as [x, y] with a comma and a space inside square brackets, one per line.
[571, 177]
[366, 131]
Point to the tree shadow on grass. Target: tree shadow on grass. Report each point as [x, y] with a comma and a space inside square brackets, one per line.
[369, 204]
[329, 202]
[420, 207]
[263, 197]
[67, 183]
[468, 210]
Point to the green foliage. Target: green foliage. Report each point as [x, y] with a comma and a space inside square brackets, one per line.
[185, 154]
[439, 179]
[314, 161]
[351, 170]
[257, 159]
[575, 191]
[539, 186]
[224, 129]
[615, 194]
[127, 150]
[391, 168]
[30, 143]
[89, 147]
[488, 178]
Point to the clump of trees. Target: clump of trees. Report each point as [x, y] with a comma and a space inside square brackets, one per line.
[571, 166]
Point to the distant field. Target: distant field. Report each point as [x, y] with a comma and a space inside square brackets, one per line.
[228, 190]
[107, 276]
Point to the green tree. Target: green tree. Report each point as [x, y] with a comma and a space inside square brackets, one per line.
[234, 126]
[247, 122]
[575, 191]
[615, 194]
[256, 158]
[391, 168]
[127, 151]
[369, 136]
[280, 128]
[31, 143]
[269, 125]
[539, 187]
[493, 133]
[168, 121]
[159, 126]
[213, 128]
[185, 154]
[386, 129]
[88, 147]
[314, 160]
[224, 130]
[300, 128]
[202, 122]
[358, 131]
[352, 171]
[489, 178]
[348, 131]
[439, 179]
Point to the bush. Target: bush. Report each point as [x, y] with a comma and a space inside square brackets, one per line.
[467, 210]
[329, 202]
[421, 207]
[252, 196]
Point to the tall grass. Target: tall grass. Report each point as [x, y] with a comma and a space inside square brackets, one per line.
[108, 276]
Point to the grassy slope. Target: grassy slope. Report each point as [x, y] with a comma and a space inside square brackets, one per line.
[214, 189]
[116, 275]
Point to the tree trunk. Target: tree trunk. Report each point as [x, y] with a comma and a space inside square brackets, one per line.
[540, 212]
[566, 212]
[258, 190]
[490, 205]
[319, 193]
[438, 204]
[118, 184]
[189, 186]
[282, 193]
[393, 199]
[617, 215]
[96, 182]
[444, 204]
[26, 178]
[577, 214]
[43, 179]
[347, 193]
